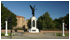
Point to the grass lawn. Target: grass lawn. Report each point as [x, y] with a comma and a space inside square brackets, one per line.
[66, 34]
[3, 34]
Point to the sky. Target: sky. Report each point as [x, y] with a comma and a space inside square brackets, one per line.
[56, 9]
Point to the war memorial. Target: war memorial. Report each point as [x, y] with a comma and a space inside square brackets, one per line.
[33, 32]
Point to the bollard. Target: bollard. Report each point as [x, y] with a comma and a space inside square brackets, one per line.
[59, 34]
[55, 34]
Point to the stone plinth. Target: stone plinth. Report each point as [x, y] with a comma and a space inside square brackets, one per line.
[33, 29]
[33, 33]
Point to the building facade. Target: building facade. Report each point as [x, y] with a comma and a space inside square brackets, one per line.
[21, 22]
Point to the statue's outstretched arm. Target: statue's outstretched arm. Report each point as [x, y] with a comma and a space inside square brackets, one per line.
[30, 6]
[34, 6]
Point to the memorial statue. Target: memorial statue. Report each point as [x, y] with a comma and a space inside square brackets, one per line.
[33, 9]
[33, 28]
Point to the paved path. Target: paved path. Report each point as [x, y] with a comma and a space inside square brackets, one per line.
[35, 36]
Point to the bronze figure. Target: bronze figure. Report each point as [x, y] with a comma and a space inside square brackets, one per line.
[33, 9]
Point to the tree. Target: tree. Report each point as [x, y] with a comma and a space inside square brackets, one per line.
[58, 22]
[66, 20]
[29, 23]
[5, 13]
[45, 21]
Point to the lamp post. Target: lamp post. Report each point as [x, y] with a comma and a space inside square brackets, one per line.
[63, 28]
[10, 21]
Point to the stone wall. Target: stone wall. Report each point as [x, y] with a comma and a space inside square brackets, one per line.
[21, 22]
[3, 31]
[26, 24]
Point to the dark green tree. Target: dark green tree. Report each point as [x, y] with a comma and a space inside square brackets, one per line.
[5, 13]
[66, 20]
[29, 23]
[39, 23]
[45, 21]
[58, 22]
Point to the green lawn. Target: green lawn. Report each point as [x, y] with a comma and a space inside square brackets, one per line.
[66, 34]
[3, 34]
